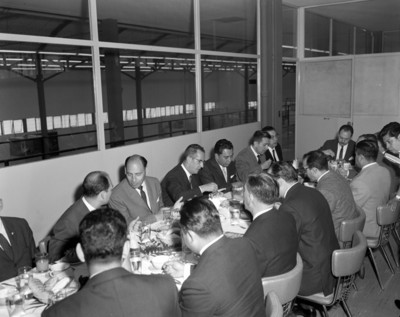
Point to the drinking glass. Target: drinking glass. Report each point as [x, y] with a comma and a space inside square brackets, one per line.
[136, 261]
[15, 304]
[42, 262]
[235, 214]
[237, 191]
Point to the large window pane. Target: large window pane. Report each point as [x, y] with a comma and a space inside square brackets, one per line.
[316, 35]
[148, 22]
[289, 28]
[342, 38]
[47, 102]
[229, 91]
[55, 18]
[229, 25]
[147, 95]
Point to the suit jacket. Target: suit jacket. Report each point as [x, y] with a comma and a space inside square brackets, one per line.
[176, 184]
[65, 233]
[246, 163]
[350, 154]
[278, 152]
[131, 205]
[317, 239]
[119, 293]
[273, 236]
[371, 188]
[23, 246]
[226, 282]
[336, 189]
[211, 172]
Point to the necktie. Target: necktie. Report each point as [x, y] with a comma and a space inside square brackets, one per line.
[259, 158]
[6, 247]
[341, 153]
[274, 155]
[225, 173]
[190, 181]
[143, 194]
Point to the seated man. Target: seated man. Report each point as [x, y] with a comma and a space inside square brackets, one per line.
[317, 239]
[17, 246]
[335, 188]
[343, 146]
[274, 151]
[220, 169]
[251, 159]
[273, 232]
[64, 236]
[183, 180]
[371, 187]
[112, 290]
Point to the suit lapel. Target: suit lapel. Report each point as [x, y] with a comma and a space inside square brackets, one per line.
[218, 171]
[150, 196]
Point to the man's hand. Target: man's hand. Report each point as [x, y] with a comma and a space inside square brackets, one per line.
[330, 153]
[178, 204]
[174, 268]
[266, 164]
[210, 187]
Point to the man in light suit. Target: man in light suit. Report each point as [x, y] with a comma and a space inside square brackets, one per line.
[183, 180]
[220, 169]
[317, 239]
[17, 246]
[64, 236]
[371, 187]
[226, 281]
[274, 151]
[251, 159]
[343, 147]
[111, 289]
[335, 188]
[272, 233]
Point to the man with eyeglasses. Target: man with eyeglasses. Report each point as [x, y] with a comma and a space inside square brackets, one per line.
[274, 151]
[183, 180]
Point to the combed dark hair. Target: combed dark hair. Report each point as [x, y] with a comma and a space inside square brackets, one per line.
[258, 136]
[192, 150]
[368, 149]
[268, 129]
[200, 216]
[136, 157]
[283, 170]
[316, 159]
[222, 145]
[347, 128]
[391, 129]
[263, 187]
[102, 234]
[94, 183]
[368, 136]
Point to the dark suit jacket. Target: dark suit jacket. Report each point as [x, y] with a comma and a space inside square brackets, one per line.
[246, 163]
[278, 151]
[226, 282]
[23, 246]
[119, 293]
[65, 233]
[211, 172]
[274, 238]
[131, 205]
[176, 184]
[317, 239]
[350, 154]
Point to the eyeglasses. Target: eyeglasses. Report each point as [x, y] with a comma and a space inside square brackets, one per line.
[198, 161]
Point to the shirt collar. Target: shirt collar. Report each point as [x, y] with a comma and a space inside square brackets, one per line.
[3, 231]
[209, 244]
[89, 206]
[254, 152]
[258, 214]
[186, 172]
[365, 166]
[322, 175]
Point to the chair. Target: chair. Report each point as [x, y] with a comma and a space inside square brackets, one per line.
[349, 227]
[386, 217]
[286, 286]
[273, 306]
[345, 264]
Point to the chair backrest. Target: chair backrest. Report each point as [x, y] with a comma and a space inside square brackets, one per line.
[347, 262]
[349, 227]
[273, 306]
[387, 214]
[286, 286]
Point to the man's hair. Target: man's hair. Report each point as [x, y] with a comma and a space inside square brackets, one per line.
[222, 145]
[347, 128]
[136, 157]
[368, 136]
[102, 235]
[392, 129]
[316, 159]
[263, 187]
[94, 183]
[200, 216]
[268, 129]
[283, 170]
[368, 149]
[192, 149]
[258, 136]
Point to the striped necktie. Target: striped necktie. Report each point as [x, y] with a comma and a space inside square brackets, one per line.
[6, 247]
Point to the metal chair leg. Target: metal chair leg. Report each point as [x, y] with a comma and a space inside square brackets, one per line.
[394, 257]
[382, 248]
[371, 257]
[346, 308]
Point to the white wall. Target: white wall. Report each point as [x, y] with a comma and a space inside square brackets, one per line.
[40, 192]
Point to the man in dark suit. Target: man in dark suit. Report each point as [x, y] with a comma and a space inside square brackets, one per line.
[17, 246]
[273, 232]
[343, 147]
[317, 239]
[226, 281]
[183, 180]
[111, 289]
[64, 236]
[220, 169]
[274, 151]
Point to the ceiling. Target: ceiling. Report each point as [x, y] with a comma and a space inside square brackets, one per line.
[373, 15]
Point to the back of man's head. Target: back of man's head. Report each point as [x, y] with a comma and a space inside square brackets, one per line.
[284, 171]
[258, 136]
[222, 145]
[102, 234]
[368, 149]
[200, 216]
[316, 159]
[94, 183]
[263, 187]
[392, 129]
[192, 149]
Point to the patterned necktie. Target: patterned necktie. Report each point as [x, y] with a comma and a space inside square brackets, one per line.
[259, 159]
[6, 247]
[341, 153]
[190, 181]
[143, 194]
[274, 155]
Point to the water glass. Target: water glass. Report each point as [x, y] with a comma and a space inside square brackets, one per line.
[235, 214]
[136, 261]
[15, 304]
[42, 262]
[166, 214]
[237, 191]
[24, 273]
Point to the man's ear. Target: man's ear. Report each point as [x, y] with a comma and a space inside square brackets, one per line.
[79, 252]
